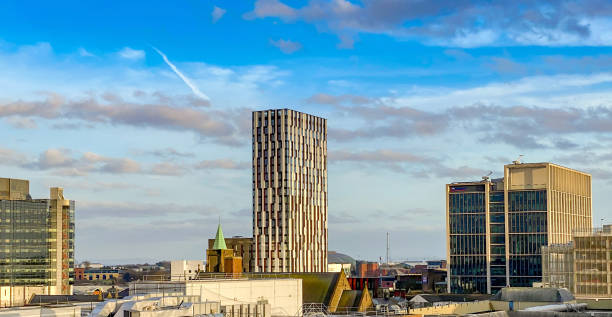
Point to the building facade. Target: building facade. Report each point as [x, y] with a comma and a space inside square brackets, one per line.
[289, 191]
[584, 266]
[102, 274]
[496, 228]
[36, 242]
[243, 247]
[186, 269]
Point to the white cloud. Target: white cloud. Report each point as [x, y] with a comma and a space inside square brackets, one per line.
[130, 53]
[85, 53]
[196, 91]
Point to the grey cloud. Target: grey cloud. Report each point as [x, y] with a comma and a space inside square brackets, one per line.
[386, 121]
[460, 23]
[217, 13]
[521, 126]
[218, 126]
[564, 144]
[600, 173]
[22, 123]
[169, 169]
[504, 65]
[461, 172]
[327, 99]
[11, 157]
[53, 158]
[342, 218]
[228, 164]
[458, 54]
[390, 159]
[167, 153]
[286, 46]
[404, 162]
[64, 162]
[97, 209]
[377, 156]
[517, 140]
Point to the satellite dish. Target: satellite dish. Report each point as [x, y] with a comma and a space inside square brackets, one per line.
[518, 160]
[486, 177]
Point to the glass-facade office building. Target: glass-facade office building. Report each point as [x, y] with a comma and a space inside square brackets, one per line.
[36, 243]
[496, 228]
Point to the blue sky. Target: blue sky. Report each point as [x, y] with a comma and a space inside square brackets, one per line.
[417, 94]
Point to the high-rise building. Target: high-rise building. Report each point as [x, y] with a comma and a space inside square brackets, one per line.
[289, 191]
[496, 228]
[36, 243]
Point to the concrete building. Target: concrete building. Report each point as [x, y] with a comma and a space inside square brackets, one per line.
[583, 266]
[185, 269]
[284, 295]
[496, 228]
[289, 191]
[367, 269]
[339, 267]
[102, 274]
[161, 305]
[36, 243]
[243, 247]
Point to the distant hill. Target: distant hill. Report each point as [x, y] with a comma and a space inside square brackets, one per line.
[335, 257]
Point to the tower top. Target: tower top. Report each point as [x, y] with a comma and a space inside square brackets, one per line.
[219, 240]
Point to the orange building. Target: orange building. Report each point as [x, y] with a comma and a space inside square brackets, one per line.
[367, 269]
[79, 273]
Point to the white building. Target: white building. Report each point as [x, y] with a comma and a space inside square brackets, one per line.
[181, 270]
[337, 267]
[283, 294]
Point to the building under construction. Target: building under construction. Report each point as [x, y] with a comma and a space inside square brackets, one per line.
[583, 265]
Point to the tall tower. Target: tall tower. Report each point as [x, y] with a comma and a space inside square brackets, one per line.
[289, 191]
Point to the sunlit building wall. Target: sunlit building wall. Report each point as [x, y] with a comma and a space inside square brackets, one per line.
[496, 228]
[36, 243]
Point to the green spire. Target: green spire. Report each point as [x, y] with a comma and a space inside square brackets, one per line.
[219, 240]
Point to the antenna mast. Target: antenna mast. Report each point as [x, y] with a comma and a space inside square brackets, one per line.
[387, 248]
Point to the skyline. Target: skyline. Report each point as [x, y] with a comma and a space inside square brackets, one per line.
[142, 112]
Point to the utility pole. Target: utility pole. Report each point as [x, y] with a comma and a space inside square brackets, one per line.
[387, 248]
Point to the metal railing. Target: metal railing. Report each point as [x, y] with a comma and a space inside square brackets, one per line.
[214, 276]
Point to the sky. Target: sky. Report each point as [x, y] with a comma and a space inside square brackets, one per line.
[141, 110]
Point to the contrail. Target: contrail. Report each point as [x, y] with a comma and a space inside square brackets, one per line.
[186, 80]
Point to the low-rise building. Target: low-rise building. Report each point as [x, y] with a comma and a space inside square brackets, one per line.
[243, 248]
[185, 269]
[79, 273]
[337, 267]
[102, 274]
[367, 269]
[284, 295]
[220, 259]
[583, 265]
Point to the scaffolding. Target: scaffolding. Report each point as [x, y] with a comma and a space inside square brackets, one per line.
[593, 254]
[558, 266]
[583, 266]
